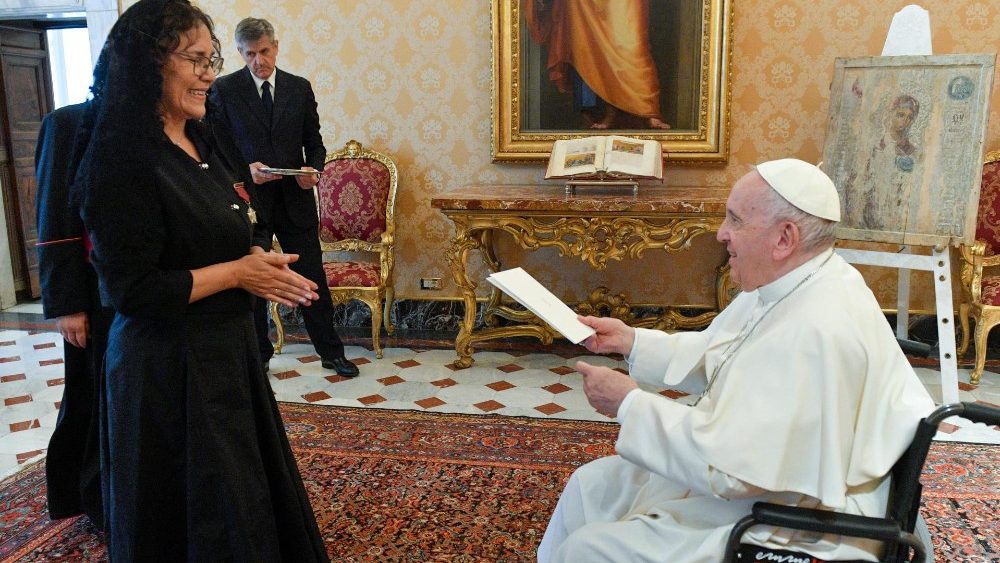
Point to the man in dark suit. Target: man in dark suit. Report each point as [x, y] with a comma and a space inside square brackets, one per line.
[272, 115]
[70, 296]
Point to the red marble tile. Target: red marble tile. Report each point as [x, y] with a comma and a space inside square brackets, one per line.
[947, 428]
[283, 375]
[54, 382]
[501, 385]
[966, 386]
[549, 409]
[361, 361]
[44, 345]
[25, 456]
[13, 377]
[391, 380]
[489, 406]
[50, 362]
[336, 378]
[446, 382]
[407, 363]
[453, 367]
[562, 370]
[557, 388]
[429, 402]
[316, 396]
[58, 404]
[19, 426]
[308, 359]
[673, 393]
[371, 400]
[9, 359]
[17, 400]
[7, 343]
[510, 368]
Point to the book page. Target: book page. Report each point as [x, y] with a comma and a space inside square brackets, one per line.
[533, 296]
[634, 157]
[571, 157]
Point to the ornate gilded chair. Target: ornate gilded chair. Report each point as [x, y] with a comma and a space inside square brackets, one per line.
[981, 289]
[355, 199]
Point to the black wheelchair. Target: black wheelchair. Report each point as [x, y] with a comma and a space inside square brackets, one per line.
[896, 530]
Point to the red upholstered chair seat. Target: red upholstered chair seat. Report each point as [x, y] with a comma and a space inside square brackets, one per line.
[351, 274]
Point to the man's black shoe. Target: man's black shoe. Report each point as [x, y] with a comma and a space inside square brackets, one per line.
[342, 366]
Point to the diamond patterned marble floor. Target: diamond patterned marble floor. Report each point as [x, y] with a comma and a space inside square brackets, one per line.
[511, 383]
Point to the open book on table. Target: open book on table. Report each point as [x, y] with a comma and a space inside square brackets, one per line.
[605, 156]
[534, 297]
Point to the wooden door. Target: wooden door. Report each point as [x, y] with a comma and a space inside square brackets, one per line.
[27, 97]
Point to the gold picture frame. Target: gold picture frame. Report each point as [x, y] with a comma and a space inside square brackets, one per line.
[529, 113]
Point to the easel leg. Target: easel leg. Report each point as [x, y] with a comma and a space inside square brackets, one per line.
[946, 325]
[903, 301]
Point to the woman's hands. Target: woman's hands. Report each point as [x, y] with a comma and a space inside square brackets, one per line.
[267, 275]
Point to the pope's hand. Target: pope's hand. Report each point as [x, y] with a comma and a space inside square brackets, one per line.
[612, 337]
[605, 387]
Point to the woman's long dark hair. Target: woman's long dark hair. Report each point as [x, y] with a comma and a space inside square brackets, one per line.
[128, 84]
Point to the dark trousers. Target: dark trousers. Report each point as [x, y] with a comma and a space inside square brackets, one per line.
[318, 316]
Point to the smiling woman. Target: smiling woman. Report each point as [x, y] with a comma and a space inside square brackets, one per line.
[178, 253]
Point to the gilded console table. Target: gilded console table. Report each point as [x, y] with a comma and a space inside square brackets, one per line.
[594, 225]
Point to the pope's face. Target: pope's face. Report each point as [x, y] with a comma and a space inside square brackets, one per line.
[749, 234]
[260, 56]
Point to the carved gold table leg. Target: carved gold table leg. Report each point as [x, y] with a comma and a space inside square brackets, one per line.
[457, 254]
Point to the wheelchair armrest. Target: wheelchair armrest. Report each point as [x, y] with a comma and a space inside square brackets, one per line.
[825, 521]
[977, 412]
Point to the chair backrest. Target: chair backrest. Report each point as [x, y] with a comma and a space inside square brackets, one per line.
[988, 219]
[356, 195]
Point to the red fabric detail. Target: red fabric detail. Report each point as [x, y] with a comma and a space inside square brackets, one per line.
[242, 192]
[88, 246]
[351, 274]
[991, 290]
[352, 199]
[988, 221]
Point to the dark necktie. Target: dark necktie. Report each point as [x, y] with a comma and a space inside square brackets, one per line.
[267, 99]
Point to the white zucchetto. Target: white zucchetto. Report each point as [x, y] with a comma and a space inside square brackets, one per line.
[804, 185]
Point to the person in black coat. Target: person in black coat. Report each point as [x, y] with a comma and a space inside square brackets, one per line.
[69, 295]
[272, 115]
[196, 464]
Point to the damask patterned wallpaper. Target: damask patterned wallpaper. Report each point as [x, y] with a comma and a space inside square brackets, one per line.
[412, 78]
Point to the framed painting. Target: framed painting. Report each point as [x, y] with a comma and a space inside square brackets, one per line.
[652, 69]
[904, 146]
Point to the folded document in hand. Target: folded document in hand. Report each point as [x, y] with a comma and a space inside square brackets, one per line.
[534, 297]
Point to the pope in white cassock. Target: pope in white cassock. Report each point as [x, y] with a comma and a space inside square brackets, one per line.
[806, 398]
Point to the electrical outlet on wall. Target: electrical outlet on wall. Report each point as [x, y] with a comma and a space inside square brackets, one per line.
[430, 283]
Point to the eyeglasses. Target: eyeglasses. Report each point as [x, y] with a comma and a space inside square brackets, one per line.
[200, 65]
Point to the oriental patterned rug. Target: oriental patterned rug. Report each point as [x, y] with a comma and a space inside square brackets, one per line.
[391, 485]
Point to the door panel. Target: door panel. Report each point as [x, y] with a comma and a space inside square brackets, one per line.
[24, 76]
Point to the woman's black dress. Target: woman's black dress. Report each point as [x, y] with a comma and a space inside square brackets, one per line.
[195, 459]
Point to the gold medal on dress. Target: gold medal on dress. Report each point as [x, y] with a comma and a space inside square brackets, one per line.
[252, 215]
